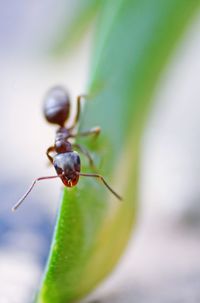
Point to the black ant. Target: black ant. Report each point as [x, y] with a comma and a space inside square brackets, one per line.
[66, 161]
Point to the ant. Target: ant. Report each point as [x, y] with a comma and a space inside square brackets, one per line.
[65, 160]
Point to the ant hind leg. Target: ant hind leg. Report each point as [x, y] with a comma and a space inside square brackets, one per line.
[78, 111]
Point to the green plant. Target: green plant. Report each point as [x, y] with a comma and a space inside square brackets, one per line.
[134, 41]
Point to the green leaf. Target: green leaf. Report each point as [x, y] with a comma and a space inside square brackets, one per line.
[134, 41]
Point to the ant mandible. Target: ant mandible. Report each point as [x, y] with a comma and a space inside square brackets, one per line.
[65, 160]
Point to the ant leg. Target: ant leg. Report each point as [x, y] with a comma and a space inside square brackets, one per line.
[104, 182]
[78, 111]
[30, 188]
[93, 131]
[50, 150]
[85, 152]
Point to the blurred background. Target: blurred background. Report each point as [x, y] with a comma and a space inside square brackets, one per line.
[161, 263]
[28, 30]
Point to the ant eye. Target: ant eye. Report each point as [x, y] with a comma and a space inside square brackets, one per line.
[58, 169]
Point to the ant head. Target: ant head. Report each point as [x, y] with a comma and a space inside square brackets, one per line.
[57, 105]
[68, 165]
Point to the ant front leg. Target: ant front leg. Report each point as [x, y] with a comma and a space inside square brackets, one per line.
[50, 150]
[86, 153]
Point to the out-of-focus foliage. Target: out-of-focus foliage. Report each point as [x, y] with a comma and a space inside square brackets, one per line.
[86, 11]
[133, 41]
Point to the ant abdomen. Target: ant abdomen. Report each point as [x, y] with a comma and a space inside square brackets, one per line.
[57, 105]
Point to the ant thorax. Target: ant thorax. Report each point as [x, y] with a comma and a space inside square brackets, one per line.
[62, 145]
[63, 133]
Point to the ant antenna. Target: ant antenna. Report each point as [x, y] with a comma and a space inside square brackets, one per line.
[104, 182]
[30, 188]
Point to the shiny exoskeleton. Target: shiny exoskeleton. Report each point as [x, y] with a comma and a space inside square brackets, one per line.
[65, 160]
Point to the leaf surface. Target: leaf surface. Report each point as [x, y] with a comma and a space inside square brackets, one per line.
[133, 43]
